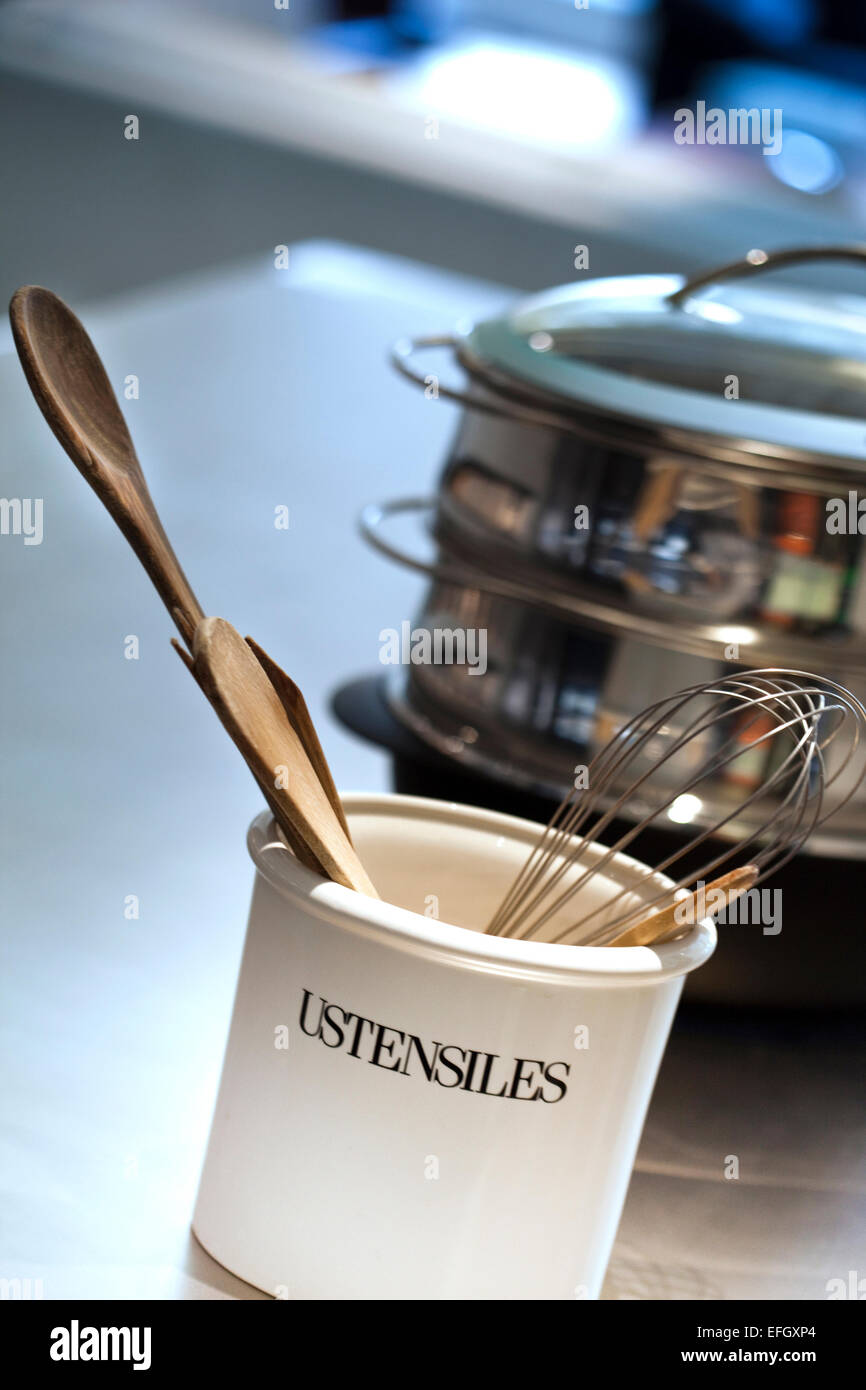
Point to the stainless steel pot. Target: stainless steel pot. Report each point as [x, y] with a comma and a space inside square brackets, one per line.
[640, 492]
[650, 450]
[553, 693]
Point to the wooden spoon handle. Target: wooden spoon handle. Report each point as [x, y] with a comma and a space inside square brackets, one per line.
[673, 921]
[139, 521]
[72, 389]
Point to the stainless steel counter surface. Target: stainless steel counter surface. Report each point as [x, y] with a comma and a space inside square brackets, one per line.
[259, 389]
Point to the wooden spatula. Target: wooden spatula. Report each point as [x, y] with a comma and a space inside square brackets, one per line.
[295, 707]
[252, 713]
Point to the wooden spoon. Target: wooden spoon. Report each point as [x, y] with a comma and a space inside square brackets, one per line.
[72, 389]
[253, 714]
[674, 920]
[74, 393]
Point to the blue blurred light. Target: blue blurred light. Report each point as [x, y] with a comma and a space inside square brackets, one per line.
[807, 163]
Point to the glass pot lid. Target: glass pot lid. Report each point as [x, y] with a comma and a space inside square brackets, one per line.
[775, 368]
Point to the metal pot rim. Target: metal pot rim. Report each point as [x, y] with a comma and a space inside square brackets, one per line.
[531, 383]
[573, 602]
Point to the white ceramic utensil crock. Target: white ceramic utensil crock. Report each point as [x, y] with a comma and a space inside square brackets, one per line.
[411, 1109]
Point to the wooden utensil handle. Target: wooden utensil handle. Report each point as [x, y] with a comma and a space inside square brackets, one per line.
[301, 721]
[671, 921]
[296, 844]
[139, 521]
[251, 711]
[71, 387]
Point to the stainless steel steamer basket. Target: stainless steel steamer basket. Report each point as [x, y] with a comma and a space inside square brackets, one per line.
[674, 452]
[554, 691]
[639, 492]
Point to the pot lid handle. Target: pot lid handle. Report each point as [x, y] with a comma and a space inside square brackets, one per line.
[757, 260]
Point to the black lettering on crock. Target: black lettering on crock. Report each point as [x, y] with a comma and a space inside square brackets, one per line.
[490, 1058]
[328, 1021]
[451, 1068]
[442, 1064]
[519, 1079]
[470, 1071]
[317, 1030]
[353, 1050]
[381, 1046]
[555, 1081]
[428, 1067]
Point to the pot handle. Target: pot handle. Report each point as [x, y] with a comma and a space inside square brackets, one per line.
[757, 260]
[402, 357]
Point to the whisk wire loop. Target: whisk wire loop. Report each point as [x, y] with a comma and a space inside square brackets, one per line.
[764, 798]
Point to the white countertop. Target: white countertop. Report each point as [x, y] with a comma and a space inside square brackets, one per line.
[260, 388]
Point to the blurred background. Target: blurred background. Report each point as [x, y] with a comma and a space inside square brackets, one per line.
[315, 118]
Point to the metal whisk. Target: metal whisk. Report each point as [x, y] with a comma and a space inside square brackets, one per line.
[771, 742]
